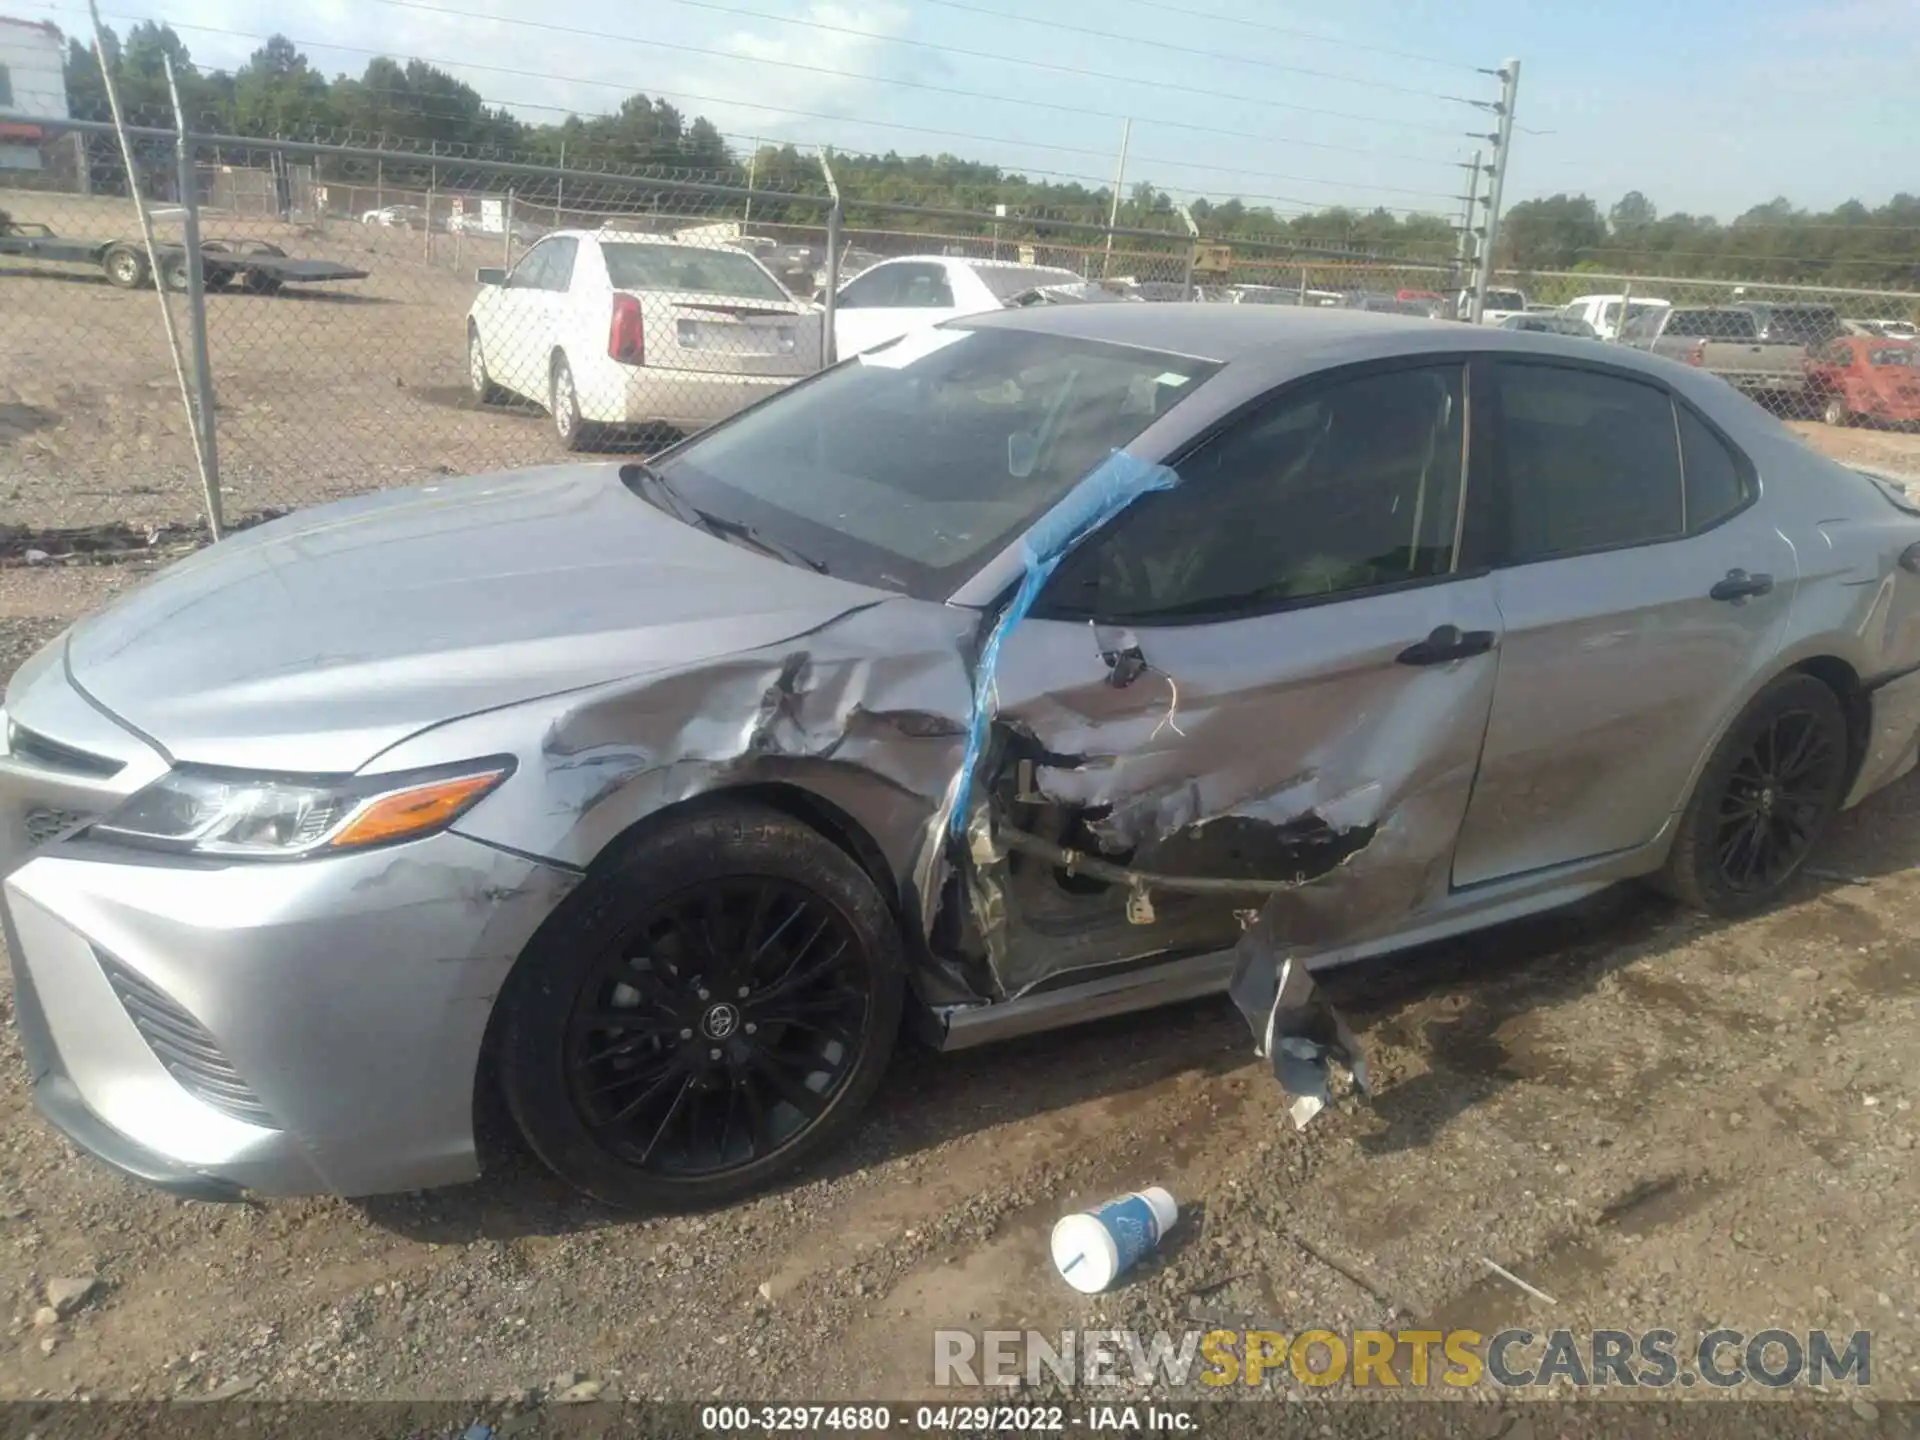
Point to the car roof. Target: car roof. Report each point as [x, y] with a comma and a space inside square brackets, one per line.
[1286, 341]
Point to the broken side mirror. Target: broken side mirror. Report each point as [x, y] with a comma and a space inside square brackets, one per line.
[1023, 454]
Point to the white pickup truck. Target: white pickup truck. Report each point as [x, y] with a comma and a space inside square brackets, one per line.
[1500, 305]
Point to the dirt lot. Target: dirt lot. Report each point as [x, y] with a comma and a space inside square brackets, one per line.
[1656, 1120]
[321, 391]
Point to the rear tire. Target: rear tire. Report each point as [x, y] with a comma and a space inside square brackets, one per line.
[173, 274]
[709, 1010]
[1836, 412]
[563, 400]
[1774, 781]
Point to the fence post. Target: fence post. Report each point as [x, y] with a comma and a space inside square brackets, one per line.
[506, 231]
[426, 241]
[1626, 307]
[829, 350]
[202, 409]
[1193, 253]
[1503, 147]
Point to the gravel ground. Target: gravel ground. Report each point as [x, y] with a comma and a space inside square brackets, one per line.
[1655, 1119]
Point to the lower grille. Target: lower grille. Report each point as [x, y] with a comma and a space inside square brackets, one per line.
[185, 1046]
[46, 823]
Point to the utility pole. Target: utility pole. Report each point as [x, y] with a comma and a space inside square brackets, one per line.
[1503, 148]
[560, 185]
[1465, 257]
[1119, 183]
[753, 162]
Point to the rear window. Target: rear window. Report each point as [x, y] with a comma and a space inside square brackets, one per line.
[1005, 282]
[1506, 300]
[729, 273]
[1804, 325]
[1713, 324]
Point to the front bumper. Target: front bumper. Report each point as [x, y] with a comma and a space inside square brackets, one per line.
[286, 1028]
[343, 1001]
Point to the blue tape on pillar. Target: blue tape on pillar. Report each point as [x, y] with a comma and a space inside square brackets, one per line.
[1118, 481]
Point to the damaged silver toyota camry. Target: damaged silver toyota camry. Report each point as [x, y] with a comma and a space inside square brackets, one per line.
[1041, 666]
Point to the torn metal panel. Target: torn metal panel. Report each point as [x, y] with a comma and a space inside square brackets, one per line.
[1320, 763]
[1298, 1032]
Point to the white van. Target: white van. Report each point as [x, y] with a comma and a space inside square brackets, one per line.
[1602, 312]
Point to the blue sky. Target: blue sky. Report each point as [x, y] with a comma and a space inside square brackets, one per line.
[1708, 106]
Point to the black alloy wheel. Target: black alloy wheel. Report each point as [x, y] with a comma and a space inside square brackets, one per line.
[1768, 791]
[1778, 794]
[710, 1008]
[721, 1029]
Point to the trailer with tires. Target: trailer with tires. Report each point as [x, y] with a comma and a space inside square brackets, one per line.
[258, 267]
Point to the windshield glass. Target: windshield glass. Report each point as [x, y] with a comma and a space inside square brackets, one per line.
[634, 266]
[911, 465]
[1901, 355]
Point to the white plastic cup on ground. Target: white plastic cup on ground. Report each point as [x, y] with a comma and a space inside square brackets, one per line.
[1093, 1248]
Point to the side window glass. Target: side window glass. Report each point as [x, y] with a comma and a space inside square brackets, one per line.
[925, 288]
[1590, 461]
[1716, 482]
[531, 272]
[559, 271]
[1343, 488]
[874, 290]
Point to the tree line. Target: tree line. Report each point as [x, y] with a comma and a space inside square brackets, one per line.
[414, 106]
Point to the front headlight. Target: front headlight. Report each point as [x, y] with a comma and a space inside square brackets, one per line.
[233, 813]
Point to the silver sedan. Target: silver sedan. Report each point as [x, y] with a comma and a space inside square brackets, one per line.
[1043, 665]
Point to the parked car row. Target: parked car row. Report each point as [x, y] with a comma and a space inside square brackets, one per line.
[608, 328]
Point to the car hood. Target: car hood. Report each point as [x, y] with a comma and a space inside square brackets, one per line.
[312, 643]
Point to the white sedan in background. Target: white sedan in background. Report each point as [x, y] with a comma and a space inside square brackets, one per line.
[887, 300]
[606, 328]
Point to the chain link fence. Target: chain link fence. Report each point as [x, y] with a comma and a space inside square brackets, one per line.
[376, 316]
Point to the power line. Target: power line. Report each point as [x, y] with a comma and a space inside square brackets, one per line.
[1075, 71]
[1162, 45]
[327, 45]
[1293, 34]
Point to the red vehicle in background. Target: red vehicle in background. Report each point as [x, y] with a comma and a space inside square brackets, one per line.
[1417, 295]
[1863, 377]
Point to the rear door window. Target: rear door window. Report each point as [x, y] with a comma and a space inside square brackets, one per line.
[1588, 461]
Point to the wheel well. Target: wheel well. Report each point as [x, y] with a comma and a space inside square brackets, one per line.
[803, 805]
[1841, 678]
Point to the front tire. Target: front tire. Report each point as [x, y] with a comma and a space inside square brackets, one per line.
[574, 433]
[1775, 780]
[707, 1012]
[1836, 412]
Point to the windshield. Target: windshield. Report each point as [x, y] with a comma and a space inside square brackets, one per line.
[1901, 355]
[1004, 282]
[911, 465]
[633, 266]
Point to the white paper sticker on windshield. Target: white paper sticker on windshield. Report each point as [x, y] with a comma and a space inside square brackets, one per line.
[1169, 378]
[914, 345]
